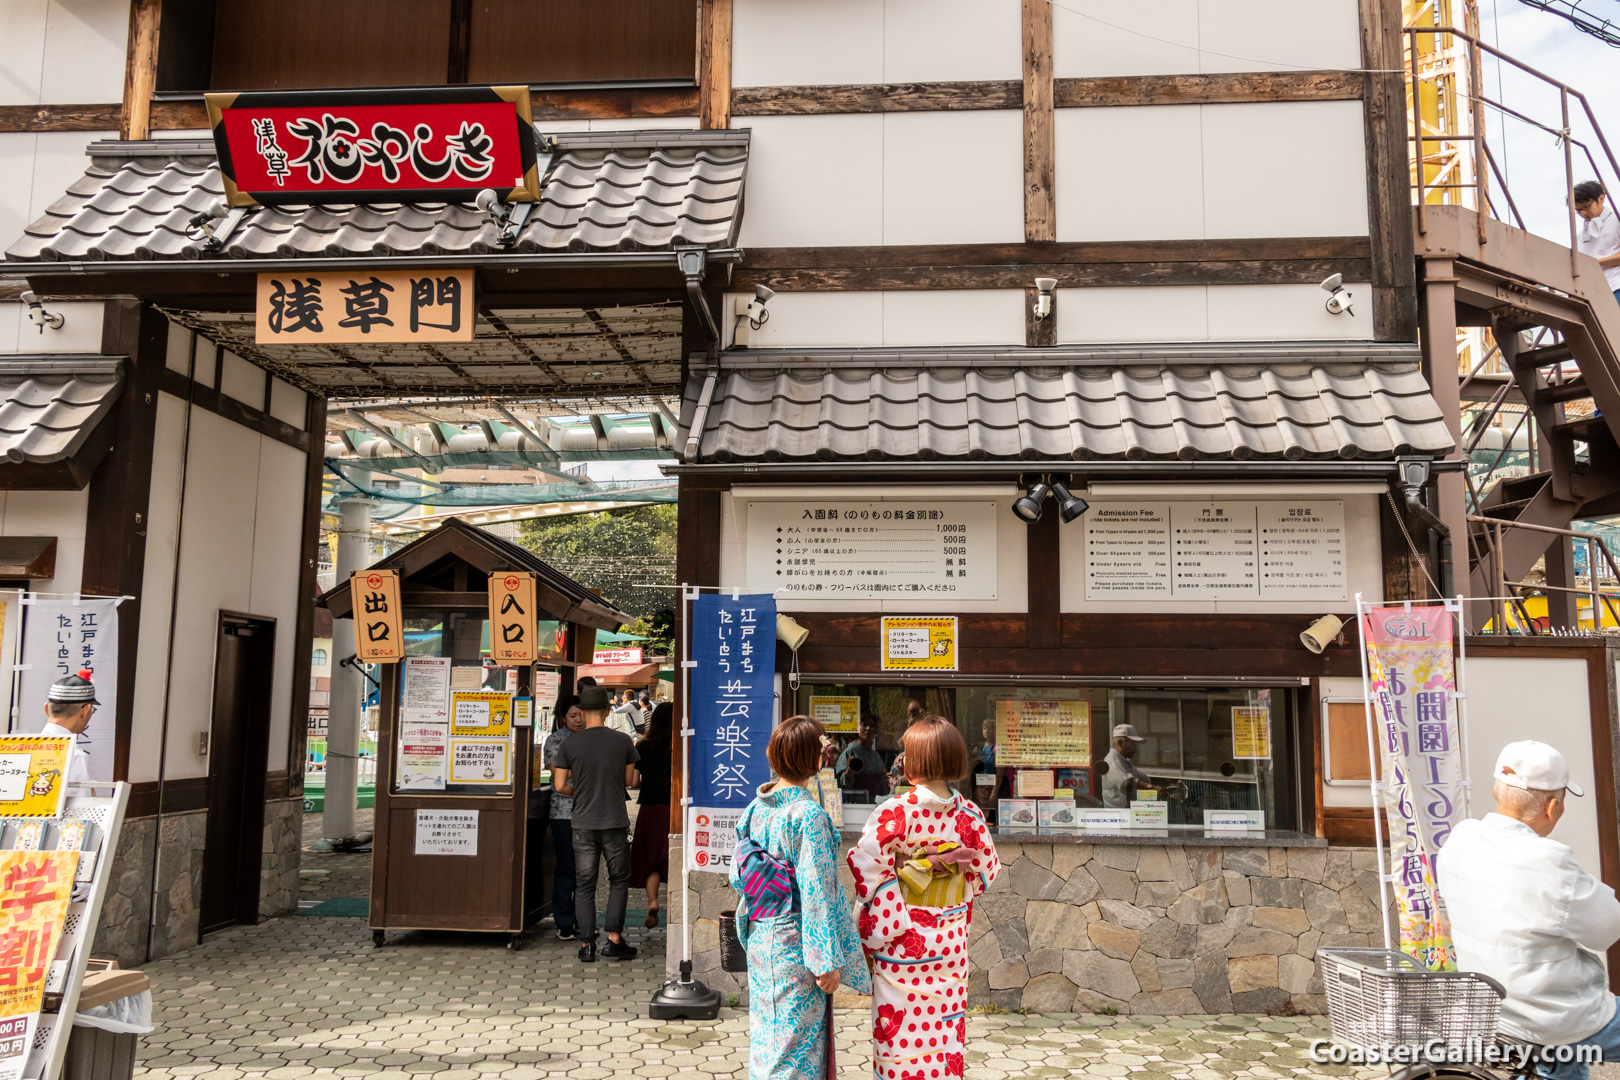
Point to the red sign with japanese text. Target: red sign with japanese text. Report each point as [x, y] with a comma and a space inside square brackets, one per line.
[439, 144]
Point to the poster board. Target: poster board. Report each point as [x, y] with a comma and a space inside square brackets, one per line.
[835, 713]
[919, 643]
[35, 889]
[33, 775]
[1031, 733]
[1251, 732]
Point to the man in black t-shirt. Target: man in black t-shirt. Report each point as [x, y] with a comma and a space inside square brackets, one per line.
[597, 767]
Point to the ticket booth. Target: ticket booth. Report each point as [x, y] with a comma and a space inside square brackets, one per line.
[461, 841]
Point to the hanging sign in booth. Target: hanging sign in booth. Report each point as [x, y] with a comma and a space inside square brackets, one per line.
[379, 637]
[733, 690]
[1413, 683]
[63, 637]
[438, 144]
[511, 618]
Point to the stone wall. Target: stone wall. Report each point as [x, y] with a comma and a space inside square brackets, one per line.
[283, 843]
[179, 885]
[1158, 929]
[127, 906]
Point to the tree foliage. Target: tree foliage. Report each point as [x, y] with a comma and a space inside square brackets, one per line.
[615, 551]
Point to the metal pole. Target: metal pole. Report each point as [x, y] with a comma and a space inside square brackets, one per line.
[1417, 133]
[1462, 700]
[1592, 582]
[1569, 186]
[1372, 768]
[686, 778]
[343, 709]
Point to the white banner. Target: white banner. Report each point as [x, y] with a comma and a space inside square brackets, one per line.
[60, 638]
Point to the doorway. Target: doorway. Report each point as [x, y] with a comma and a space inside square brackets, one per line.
[238, 753]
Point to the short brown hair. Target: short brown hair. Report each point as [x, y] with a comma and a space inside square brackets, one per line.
[795, 749]
[934, 750]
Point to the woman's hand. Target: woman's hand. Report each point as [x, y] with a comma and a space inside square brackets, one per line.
[827, 982]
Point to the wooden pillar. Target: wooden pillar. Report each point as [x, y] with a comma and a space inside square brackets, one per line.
[1045, 626]
[309, 556]
[714, 65]
[1389, 185]
[140, 69]
[116, 518]
[1038, 332]
[1040, 206]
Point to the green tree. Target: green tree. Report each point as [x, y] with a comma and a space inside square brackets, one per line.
[659, 630]
[615, 551]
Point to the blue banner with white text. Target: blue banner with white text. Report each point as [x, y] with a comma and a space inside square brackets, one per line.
[733, 690]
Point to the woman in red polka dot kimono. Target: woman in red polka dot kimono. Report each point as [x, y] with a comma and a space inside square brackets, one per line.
[921, 860]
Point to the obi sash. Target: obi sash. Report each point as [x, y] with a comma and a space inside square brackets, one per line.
[768, 883]
[935, 879]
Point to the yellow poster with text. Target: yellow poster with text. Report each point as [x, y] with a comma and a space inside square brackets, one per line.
[33, 775]
[1251, 732]
[35, 887]
[919, 643]
[484, 713]
[1042, 733]
[836, 713]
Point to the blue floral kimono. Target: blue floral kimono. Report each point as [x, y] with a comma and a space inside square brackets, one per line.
[787, 1024]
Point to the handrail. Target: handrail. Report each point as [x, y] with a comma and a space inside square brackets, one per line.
[1602, 599]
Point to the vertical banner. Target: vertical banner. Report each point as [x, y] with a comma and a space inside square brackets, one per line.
[1414, 683]
[61, 638]
[511, 619]
[378, 635]
[733, 692]
[35, 887]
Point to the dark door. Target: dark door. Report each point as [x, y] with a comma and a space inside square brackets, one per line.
[239, 748]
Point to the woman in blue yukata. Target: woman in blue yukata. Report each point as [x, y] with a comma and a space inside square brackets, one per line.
[799, 929]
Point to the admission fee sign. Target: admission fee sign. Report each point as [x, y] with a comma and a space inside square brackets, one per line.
[733, 687]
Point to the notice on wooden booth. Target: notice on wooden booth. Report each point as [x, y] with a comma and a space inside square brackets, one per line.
[920, 643]
[480, 712]
[480, 761]
[423, 751]
[511, 619]
[379, 637]
[426, 694]
[835, 713]
[446, 832]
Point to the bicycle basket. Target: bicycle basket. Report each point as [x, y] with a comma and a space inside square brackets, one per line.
[1378, 998]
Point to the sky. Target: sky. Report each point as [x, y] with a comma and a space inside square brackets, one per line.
[1532, 159]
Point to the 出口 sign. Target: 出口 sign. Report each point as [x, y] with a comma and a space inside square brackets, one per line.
[378, 635]
[511, 618]
[439, 144]
[318, 306]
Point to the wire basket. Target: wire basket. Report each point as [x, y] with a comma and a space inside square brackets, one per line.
[1378, 998]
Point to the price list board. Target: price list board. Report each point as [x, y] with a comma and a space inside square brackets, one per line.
[1216, 551]
[1043, 733]
[830, 550]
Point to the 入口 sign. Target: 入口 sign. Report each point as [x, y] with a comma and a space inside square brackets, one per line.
[511, 618]
[919, 643]
[320, 306]
[378, 634]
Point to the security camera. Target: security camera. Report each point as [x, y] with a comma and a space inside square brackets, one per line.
[756, 314]
[1339, 298]
[38, 315]
[1043, 298]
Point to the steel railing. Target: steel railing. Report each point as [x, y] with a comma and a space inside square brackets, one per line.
[1508, 595]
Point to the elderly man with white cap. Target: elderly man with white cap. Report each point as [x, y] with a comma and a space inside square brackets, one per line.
[69, 703]
[1122, 778]
[1524, 912]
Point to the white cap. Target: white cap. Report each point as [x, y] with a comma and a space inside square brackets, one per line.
[1126, 731]
[1534, 766]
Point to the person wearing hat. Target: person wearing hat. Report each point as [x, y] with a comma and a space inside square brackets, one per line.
[1121, 777]
[69, 704]
[1525, 912]
[597, 767]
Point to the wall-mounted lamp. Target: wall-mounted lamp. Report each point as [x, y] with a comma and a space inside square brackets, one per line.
[756, 314]
[1320, 634]
[1339, 299]
[1043, 297]
[791, 634]
[39, 316]
[1070, 505]
[1028, 505]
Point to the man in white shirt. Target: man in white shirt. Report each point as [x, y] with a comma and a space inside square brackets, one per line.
[1524, 912]
[1600, 230]
[69, 704]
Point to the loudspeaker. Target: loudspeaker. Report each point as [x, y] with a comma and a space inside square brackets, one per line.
[790, 633]
[1320, 634]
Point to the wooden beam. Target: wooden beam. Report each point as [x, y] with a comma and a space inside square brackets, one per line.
[1389, 185]
[1074, 254]
[876, 97]
[1226, 87]
[714, 65]
[460, 41]
[614, 103]
[140, 69]
[1040, 189]
[308, 589]
[1045, 622]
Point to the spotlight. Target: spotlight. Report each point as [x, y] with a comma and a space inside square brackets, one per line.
[1339, 299]
[38, 315]
[1070, 505]
[490, 204]
[1028, 506]
[756, 314]
[1043, 296]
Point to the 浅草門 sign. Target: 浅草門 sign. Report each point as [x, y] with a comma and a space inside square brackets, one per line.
[316, 306]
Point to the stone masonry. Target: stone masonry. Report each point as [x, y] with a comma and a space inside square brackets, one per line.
[1153, 929]
[179, 885]
[128, 903]
[278, 875]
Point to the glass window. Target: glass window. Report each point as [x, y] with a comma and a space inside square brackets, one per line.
[318, 659]
[469, 759]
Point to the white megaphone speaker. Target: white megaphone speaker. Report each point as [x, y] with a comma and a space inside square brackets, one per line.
[1320, 634]
[790, 633]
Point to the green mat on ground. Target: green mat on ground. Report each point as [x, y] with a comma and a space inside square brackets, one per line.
[341, 907]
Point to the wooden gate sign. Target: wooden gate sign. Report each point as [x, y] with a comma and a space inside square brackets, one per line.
[379, 636]
[319, 306]
[511, 618]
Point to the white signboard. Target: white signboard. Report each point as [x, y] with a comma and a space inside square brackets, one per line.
[714, 838]
[479, 761]
[1216, 551]
[426, 697]
[61, 638]
[1234, 820]
[423, 748]
[447, 832]
[831, 550]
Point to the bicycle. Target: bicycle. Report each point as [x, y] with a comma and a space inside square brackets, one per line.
[1380, 1000]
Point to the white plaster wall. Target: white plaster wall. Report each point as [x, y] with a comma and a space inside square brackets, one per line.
[35, 169]
[80, 332]
[287, 403]
[50, 513]
[1188, 172]
[243, 381]
[818, 42]
[1208, 313]
[62, 51]
[277, 547]
[922, 317]
[1169, 37]
[1012, 545]
[894, 178]
[1364, 572]
[157, 578]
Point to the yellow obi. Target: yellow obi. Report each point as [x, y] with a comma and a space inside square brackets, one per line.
[936, 883]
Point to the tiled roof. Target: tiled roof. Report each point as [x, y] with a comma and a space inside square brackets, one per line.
[605, 191]
[1338, 408]
[49, 405]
